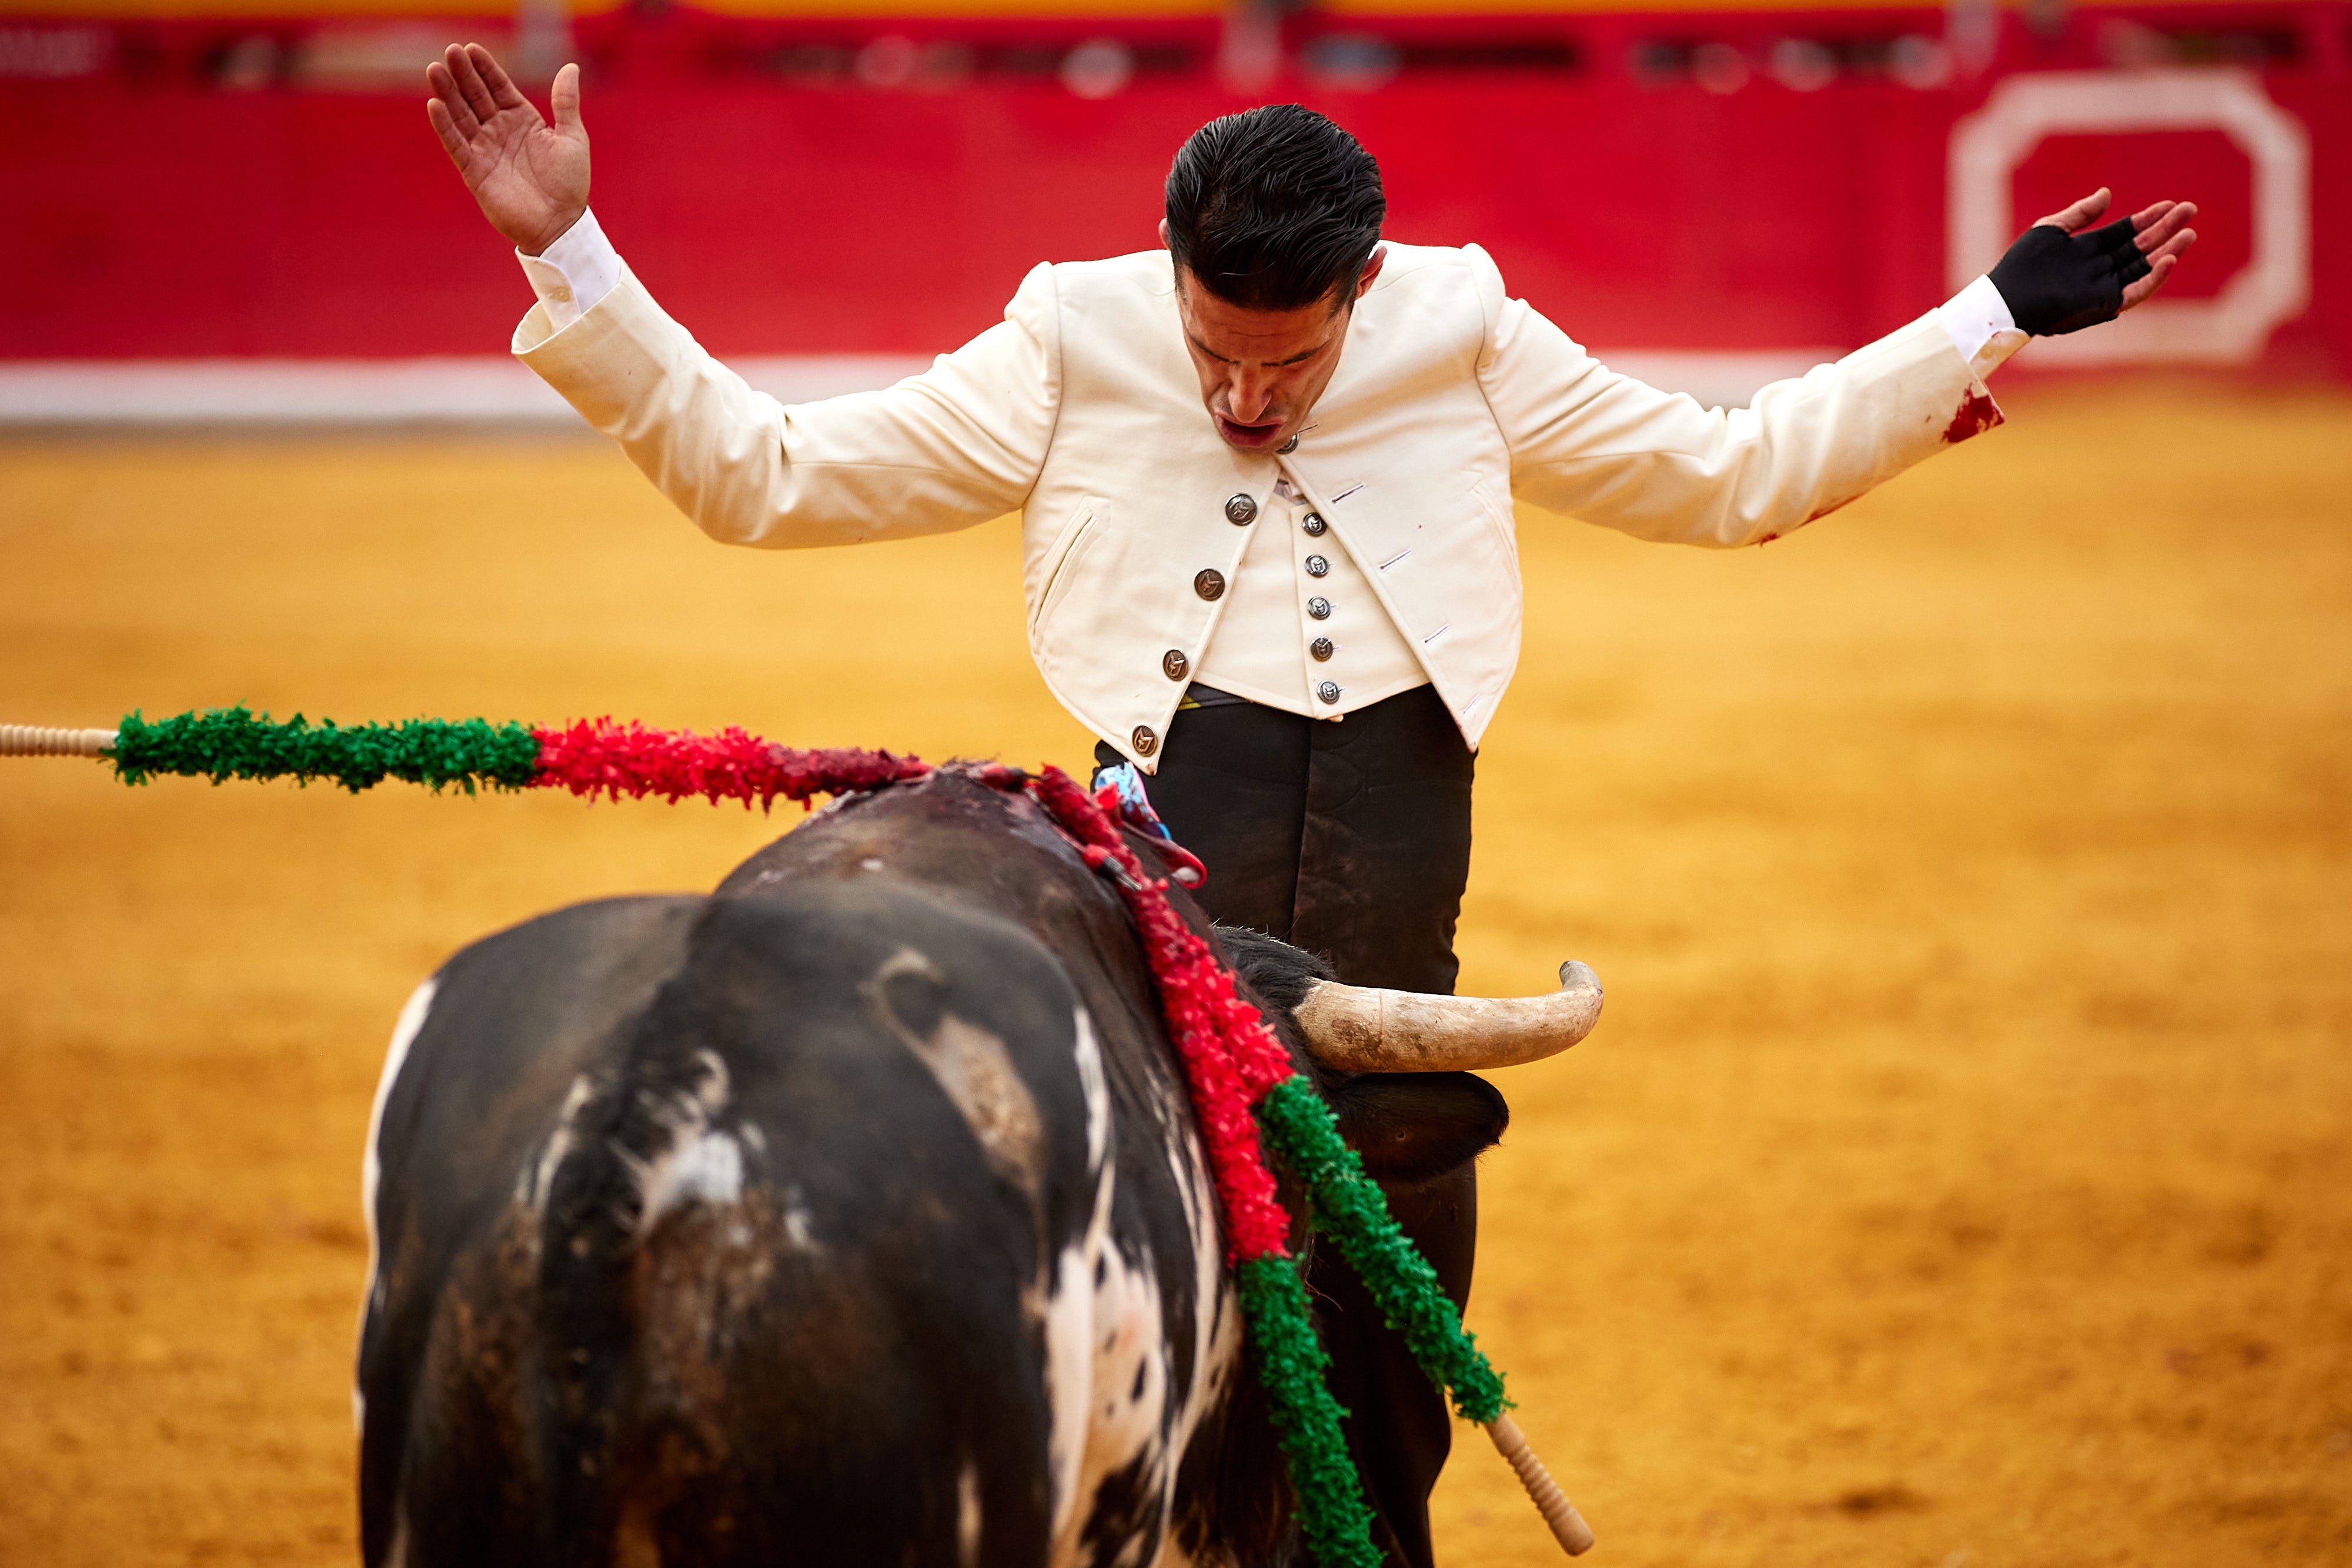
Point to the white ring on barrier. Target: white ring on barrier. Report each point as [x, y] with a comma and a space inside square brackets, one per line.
[2230, 328]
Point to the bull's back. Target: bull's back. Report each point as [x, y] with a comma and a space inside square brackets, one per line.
[717, 1231]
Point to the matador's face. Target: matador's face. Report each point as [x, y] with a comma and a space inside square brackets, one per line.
[1261, 371]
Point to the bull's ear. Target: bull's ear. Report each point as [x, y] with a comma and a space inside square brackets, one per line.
[1411, 1126]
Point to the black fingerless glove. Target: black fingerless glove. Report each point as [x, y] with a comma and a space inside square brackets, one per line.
[2056, 282]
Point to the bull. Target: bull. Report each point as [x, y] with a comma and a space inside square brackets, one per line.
[852, 1213]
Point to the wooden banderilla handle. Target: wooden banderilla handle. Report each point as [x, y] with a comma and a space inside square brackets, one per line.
[31, 740]
[1567, 1526]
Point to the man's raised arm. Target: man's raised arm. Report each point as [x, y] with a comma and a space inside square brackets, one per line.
[1604, 447]
[957, 445]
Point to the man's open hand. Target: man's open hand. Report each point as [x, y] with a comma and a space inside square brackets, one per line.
[531, 177]
[2062, 276]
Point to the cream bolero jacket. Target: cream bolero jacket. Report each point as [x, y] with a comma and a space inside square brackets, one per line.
[1082, 411]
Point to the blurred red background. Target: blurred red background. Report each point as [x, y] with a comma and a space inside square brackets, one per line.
[217, 186]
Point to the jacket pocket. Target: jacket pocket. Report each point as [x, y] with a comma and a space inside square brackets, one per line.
[1501, 523]
[1061, 559]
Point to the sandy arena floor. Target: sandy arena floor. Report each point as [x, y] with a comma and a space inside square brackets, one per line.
[1961, 1174]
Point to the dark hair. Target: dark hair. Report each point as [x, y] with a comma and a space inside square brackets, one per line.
[1273, 208]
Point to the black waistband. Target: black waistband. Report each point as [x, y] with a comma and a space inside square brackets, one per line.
[1198, 695]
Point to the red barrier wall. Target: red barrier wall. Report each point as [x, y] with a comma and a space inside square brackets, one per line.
[165, 217]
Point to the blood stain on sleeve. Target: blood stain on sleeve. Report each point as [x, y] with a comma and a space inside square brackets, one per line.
[1976, 416]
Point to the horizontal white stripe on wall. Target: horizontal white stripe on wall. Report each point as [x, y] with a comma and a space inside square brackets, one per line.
[456, 390]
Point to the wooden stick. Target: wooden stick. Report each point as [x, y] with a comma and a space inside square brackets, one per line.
[1567, 1526]
[31, 740]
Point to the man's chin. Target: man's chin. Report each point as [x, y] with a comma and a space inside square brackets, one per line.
[1248, 437]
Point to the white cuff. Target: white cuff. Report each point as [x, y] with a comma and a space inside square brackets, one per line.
[1977, 321]
[575, 272]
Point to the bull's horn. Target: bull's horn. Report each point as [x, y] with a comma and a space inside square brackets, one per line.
[1362, 1030]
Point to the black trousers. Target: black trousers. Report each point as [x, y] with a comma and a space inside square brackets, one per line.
[1352, 839]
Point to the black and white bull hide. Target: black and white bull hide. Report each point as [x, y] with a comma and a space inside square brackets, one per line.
[851, 1215]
